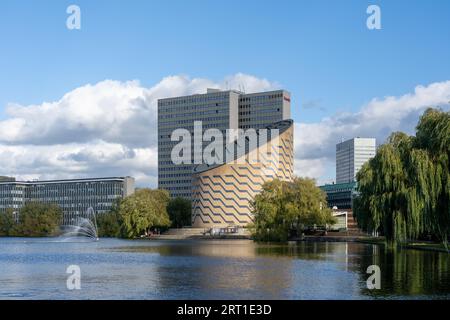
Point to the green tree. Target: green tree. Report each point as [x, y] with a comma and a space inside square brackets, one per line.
[180, 211]
[309, 204]
[431, 170]
[109, 223]
[145, 209]
[38, 219]
[8, 225]
[404, 190]
[283, 206]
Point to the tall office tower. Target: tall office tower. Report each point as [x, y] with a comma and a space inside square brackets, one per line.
[216, 109]
[351, 155]
[259, 110]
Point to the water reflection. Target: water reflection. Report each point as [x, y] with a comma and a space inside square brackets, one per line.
[409, 272]
[119, 269]
[403, 272]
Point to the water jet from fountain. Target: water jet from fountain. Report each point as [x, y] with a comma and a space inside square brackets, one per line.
[82, 226]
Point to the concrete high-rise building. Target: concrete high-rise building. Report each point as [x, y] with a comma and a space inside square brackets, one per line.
[216, 109]
[351, 155]
[260, 110]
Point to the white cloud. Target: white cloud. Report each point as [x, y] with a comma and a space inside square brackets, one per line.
[109, 128]
[75, 160]
[315, 142]
[103, 129]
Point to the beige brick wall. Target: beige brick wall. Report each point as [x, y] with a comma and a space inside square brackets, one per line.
[222, 195]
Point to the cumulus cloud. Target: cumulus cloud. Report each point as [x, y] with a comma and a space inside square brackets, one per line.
[109, 128]
[315, 142]
[103, 129]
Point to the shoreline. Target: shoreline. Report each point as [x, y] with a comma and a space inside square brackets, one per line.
[418, 245]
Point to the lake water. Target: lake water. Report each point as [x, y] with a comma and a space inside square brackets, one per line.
[222, 269]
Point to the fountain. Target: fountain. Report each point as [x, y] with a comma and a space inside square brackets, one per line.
[81, 226]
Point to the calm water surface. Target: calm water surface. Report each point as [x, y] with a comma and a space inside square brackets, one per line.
[235, 269]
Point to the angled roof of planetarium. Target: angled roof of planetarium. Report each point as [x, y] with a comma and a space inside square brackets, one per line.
[282, 126]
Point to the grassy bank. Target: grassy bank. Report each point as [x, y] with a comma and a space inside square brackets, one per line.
[417, 245]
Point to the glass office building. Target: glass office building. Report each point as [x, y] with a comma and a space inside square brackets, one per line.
[73, 196]
[340, 195]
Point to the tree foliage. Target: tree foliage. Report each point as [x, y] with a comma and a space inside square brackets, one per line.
[283, 206]
[145, 209]
[109, 223]
[404, 190]
[35, 219]
[8, 225]
[180, 212]
[38, 219]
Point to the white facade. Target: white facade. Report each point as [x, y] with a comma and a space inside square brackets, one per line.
[351, 155]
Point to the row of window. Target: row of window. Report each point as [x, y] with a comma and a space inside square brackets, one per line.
[193, 99]
[270, 118]
[215, 97]
[184, 121]
[261, 97]
[168, 132]
[178, 188]
[177, 168]
[182, 194]
[243, 113]
[186, 181]
[259, 105]
[168, 113]
[174, 175]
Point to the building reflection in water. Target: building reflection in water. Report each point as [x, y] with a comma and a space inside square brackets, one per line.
[408, 272]
[307, 270]
[249, 270]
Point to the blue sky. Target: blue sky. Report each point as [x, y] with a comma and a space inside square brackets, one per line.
[321, 51]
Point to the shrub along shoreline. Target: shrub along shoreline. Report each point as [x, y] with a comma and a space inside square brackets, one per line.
[139, 214]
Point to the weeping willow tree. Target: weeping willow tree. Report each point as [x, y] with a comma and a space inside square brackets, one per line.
[404, 190]
[284, 206]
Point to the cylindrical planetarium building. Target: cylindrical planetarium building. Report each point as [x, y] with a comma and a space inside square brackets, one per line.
[222, 193]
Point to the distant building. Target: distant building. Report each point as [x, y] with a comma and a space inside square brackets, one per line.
[3, 179]
[351, 155]
[216, 109]
[72, 196]
[340, 195]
